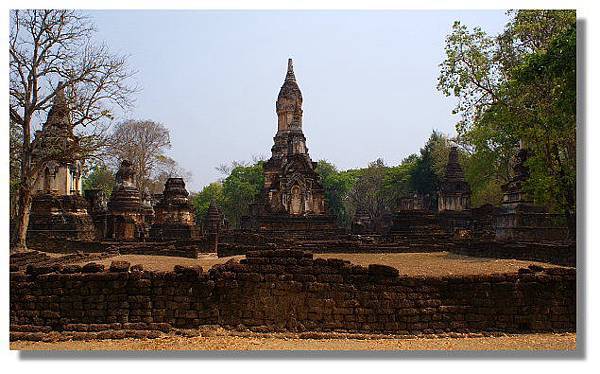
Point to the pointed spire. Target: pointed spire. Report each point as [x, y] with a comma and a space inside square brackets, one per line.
[59, 112]
[290, 71]
[213, 216]
[453, 168]
[59, 98]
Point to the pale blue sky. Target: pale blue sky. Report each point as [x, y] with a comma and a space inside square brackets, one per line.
[368, 79]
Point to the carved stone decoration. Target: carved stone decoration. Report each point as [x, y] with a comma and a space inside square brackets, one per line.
[98, 208]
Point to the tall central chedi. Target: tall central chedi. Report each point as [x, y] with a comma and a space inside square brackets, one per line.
[292, 196]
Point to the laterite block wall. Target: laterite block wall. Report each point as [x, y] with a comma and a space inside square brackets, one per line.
[275, 290]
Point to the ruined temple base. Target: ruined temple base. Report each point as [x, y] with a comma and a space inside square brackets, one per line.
[60, 217]
[525, 222]
[284, 222]
[174, 231]
[221, 339]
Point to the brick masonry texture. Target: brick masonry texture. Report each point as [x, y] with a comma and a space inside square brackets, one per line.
[560, 253]
[177, 248]
[288, 290]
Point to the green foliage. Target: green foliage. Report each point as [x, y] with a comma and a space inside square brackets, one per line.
[100, 177]
[376, 188]
[518, 86]
[201, 200]
[337, 185]
[545, 87]
[240, 189]
[397, 181]
[429, 166]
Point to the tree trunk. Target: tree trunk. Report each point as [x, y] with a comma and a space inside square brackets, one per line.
[25, 190]
[20, 243]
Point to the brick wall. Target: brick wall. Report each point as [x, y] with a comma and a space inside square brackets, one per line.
[276, 290]
[179, 248]
[560, 253]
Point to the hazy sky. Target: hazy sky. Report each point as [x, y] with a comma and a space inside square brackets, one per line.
[367, 77]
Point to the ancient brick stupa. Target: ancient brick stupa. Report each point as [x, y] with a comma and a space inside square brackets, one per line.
[519, 218]
[58, 209]
[125, 221]
[455, 192]
[213, 225]
[174, 217]
[292, 197]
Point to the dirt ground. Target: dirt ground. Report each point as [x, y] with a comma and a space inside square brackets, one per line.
[166, 263]
[435, 264]
[530, 342]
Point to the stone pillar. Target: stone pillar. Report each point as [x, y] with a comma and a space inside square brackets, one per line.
[213, 223]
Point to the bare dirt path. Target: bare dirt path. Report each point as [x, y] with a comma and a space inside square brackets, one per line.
[275, 342]
[436, 263]
[428, 264]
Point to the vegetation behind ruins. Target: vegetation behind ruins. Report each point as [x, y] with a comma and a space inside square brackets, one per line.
[518, 86]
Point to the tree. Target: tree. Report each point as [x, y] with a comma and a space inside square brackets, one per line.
[397, 181]
[426, 174]
[15, 144]
[545, 84]
[143, 143]
[240, 188]
[478, 65]
[202, 199]
[51, 51]
[166, 168]
[367, 194]
[100, 177]
[337, 185]
[519, 87]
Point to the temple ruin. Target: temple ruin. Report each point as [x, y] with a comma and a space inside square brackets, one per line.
[455, 192]
[58, 209]
[292, 197]
[125, 220]
[174, 217]
[283, 278]
[519, 218]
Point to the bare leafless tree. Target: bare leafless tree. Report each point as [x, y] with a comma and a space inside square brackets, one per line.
[143, 143]
[52, 51]
[165, 169]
